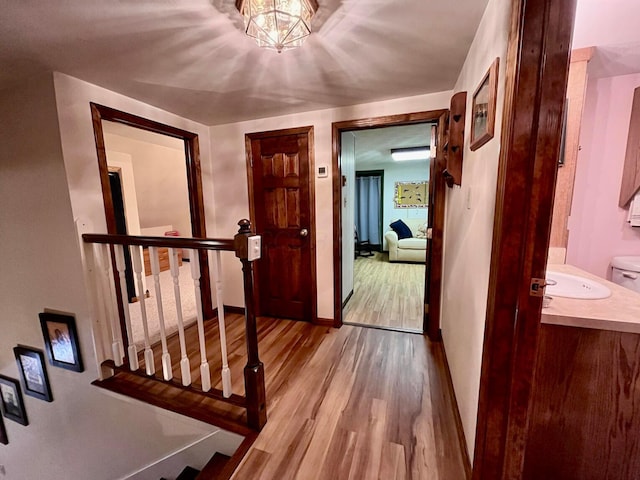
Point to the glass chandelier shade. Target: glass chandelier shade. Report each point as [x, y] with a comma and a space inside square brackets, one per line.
[278, 24]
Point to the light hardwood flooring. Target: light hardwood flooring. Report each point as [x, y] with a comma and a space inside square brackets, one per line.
[354, 403]
[350, 403]
[386, 294]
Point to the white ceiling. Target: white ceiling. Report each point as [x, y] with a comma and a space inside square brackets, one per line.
[373, 146]
[190, 57]
[133, 133]
[612, 27]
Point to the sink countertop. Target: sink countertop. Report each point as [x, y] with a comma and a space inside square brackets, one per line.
[620, 312]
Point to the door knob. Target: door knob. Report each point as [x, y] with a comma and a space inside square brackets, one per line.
[304, 232]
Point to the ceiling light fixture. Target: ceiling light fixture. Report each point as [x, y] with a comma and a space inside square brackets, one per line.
[410, 153]
[277, 24]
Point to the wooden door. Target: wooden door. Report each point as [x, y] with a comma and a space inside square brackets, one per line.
[281, 196]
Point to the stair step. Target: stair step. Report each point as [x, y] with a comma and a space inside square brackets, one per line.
[214, 467]
[188, 473]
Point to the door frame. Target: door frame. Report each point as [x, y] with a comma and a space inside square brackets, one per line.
[538, 58]
[308, 130]
[431, 321]
[194, 184]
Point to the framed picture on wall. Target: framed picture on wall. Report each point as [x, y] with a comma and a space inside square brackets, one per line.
[11, 399]
[411, 195]
[61, 341]
[33, 373]
[483, 109]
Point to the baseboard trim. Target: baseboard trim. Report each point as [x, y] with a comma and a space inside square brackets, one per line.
[456, 409]
[344, 304]
[324, 322]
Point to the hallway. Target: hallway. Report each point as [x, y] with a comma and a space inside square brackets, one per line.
[361, 403]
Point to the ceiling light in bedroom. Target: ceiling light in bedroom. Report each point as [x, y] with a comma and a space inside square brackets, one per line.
[410, 153]
[277, 24]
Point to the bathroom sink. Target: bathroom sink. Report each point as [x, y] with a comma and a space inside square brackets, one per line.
[572, 286]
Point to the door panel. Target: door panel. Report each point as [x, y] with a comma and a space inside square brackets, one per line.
[281, 192]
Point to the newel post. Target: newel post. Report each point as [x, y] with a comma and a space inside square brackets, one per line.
[254, 370]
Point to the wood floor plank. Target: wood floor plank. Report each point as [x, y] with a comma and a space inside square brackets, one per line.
[354, 402]
[386, 294]
[362, 407]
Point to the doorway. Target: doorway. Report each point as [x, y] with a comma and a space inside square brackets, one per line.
[280, 173]
[429, 295]
[190, 154]
[387, 173]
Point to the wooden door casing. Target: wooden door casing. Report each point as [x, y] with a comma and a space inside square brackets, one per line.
[281, 195]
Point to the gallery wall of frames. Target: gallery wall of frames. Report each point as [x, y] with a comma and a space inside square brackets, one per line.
[62, 350]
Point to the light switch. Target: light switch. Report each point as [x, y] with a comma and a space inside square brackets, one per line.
[254, 247]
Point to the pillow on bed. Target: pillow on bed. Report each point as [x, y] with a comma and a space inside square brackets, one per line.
[401, 229]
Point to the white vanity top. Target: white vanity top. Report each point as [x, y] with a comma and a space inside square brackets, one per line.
[620, 312]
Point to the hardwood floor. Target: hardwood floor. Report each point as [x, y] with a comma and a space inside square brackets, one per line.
[351, 403]
[386, 294]
[364, 404]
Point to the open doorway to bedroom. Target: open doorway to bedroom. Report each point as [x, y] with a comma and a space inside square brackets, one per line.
[385, 173]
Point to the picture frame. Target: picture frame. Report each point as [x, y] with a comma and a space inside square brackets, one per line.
[11, 400]
[33, 372]
[483, 108]
[4, 439]
[411, 194]
[61, 341]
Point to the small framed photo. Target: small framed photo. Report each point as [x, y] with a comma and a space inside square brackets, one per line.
[11, 399]
[33, 373]
[61, 341]
[483, 110]
[4, 439]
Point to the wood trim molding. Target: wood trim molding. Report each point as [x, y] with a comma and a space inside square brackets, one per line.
[537, 66]
[582, 54]
[194, 181]
[361, 124]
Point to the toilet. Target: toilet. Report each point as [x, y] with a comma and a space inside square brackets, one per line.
[626, 272]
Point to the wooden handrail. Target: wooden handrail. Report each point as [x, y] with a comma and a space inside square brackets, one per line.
[244, 244]
[169, 242]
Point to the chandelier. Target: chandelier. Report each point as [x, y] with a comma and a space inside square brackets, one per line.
[277, 24]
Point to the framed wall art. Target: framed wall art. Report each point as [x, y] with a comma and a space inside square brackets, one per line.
[11, 399]
[483, 109]
[61, 341]
[33, 373]
[411, 195]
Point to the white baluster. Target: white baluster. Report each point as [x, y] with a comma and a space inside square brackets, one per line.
[185, 368]
[226, 373]
[205, 375]
[167, 372]
[131, 350]
[107, 297]
[149, 362]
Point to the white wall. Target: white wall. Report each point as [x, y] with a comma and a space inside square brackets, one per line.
[417, 171]
[160, 181]
[469, 232]
[230, 177]
[348, 169]
[85, 432]
[598, 228]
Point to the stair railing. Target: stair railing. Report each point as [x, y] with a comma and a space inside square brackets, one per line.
[105, 258]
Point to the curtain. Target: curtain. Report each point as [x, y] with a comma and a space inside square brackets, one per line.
[368, 209]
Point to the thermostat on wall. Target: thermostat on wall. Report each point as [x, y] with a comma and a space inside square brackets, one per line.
[323, 171]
